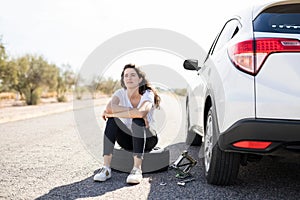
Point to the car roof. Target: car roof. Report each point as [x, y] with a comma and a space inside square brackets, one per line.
[257, 9]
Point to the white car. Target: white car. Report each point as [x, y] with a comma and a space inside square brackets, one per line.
[246, 100]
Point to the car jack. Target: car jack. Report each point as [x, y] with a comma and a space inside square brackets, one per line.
[183, 165]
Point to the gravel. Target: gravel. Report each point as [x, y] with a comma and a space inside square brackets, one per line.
[46, 158]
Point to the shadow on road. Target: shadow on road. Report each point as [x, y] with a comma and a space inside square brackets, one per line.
[267, 179]
[86, 188]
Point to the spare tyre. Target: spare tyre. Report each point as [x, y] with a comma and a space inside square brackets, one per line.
[156, 160]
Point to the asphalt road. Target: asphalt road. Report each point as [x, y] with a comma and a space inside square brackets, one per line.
[55, 157]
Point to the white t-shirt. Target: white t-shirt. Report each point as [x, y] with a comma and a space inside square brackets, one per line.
[124, 101]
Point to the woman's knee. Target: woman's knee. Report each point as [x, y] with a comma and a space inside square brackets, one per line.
[110, 121]
[111, 128]
[113, 122]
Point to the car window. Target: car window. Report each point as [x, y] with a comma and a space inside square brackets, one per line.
[230, 29]
[279, 19]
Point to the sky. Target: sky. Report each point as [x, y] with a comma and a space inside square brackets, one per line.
[68, 31]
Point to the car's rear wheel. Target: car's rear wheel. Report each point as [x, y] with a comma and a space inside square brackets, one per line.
[192, 138]
[221, 168]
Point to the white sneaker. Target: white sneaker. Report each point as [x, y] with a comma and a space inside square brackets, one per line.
[103, 174]
[135, 176]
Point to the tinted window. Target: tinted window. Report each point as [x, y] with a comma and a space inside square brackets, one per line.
[279, 19]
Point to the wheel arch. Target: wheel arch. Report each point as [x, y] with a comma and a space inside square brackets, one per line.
[208, 104]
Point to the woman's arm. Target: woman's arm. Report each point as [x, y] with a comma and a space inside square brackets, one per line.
[140, 112]
[114, 107]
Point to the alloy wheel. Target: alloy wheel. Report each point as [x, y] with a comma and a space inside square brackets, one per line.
[208, 143]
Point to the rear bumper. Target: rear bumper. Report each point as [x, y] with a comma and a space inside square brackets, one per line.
[284, 134]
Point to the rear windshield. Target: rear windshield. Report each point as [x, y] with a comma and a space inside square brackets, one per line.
[279, 19]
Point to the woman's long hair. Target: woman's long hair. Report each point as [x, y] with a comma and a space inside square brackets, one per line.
[144, 85]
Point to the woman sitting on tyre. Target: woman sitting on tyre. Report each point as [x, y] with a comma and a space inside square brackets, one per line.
[129, 116]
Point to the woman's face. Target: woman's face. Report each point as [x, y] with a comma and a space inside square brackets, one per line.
[131, 78]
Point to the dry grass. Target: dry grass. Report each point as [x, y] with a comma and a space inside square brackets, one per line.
[7, 95]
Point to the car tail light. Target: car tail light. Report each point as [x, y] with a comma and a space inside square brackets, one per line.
[250, 55]
[252, 144]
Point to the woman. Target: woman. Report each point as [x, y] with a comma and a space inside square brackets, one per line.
[129, 116]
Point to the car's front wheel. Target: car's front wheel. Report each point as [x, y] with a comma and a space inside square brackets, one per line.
[221, 168]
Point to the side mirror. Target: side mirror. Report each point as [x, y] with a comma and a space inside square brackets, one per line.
[191, 64]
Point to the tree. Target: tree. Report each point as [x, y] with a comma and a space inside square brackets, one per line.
[108, 85]
[3, 66]
[14, 78]
[39, 74]
[92, 86]
[65, 81]
[29, 75]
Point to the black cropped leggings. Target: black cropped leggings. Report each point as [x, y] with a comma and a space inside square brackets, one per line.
[139, 140]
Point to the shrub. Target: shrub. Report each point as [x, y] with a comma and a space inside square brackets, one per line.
[62, 99]
[32, 97]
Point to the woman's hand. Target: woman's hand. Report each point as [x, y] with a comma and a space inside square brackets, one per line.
[106, 115]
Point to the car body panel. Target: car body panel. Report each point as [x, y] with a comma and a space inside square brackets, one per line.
[278, 87]
[277, 83]
[195, 104]
[233, 97]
